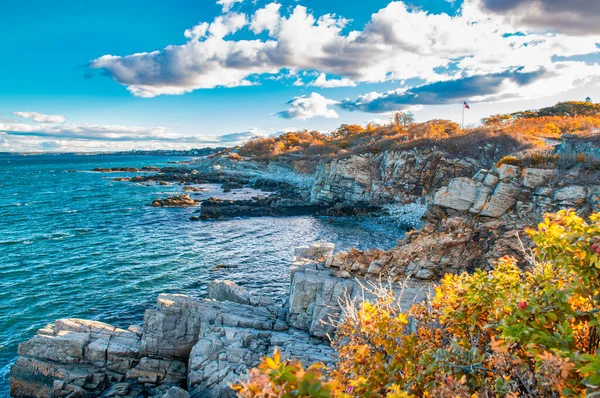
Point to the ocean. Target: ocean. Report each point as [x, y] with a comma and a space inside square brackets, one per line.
[78, 244]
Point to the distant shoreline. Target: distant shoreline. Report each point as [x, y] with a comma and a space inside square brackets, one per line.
[158, 152]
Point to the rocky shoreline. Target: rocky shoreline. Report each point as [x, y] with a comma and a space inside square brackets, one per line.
[194, 347]
[198, 345]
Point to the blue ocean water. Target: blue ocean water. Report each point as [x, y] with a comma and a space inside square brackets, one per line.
[77, 244]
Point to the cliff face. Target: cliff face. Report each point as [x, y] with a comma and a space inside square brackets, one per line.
[387, 177]
[474, 221]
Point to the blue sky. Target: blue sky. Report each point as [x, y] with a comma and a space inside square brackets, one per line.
[163, 88]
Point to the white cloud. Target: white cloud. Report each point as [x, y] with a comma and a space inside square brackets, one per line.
[48, 136]
[227, 24]
[398, 43]
[495, 87]
[227, 4]
[323, 82]
[308, 107]
[266, 18]
[41, 118]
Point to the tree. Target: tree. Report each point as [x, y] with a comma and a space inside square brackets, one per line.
[403, 119]
[588, 99]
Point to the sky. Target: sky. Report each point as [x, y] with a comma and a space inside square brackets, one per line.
[132, 74]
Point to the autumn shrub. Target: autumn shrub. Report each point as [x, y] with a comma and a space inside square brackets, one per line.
[507, 332]
[510, 160]
[565, 117]
[581, 158]
[541, 159]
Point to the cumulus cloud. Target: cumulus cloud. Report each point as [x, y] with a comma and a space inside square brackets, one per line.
[577, 17]
[227, 4]
[398, 42]
[323, 82]
[41, 118]
[308, 107]
[509, 85]
[266, 18]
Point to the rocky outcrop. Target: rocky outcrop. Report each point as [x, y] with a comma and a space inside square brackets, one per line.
[126, 169]
[80, 358]
[175, 201]
[472, 222]
[271, 206]
[387, 177]
[189, 346]
[574, 145]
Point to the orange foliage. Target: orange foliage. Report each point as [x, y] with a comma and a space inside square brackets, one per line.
[508, 133]
[509, 332]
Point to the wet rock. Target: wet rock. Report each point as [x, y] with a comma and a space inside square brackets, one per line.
[189, 188]
[272, 206]
[117, 170]
[220, 290]
[229, 186]
[175, 201]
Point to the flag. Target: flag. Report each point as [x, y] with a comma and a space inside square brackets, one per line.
[467, 105]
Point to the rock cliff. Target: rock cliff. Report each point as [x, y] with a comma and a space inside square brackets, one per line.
[387, 177]
[472, 222]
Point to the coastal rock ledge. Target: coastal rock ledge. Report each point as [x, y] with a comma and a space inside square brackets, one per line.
[189, 347]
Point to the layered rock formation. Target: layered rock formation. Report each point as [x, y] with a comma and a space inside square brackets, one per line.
[387, 177]
[196, 345]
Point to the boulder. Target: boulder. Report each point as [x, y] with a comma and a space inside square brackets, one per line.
[574, 194]
[534, 178]
[502, 199]
[460, 194]
[507, 172]
[220, 290]
[318, 252]
[176, 392]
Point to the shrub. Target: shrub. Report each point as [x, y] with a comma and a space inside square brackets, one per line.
[551, 130]
[504, 333]
[581, 158]
[287, 379]
[510, 160]
[540, 159]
